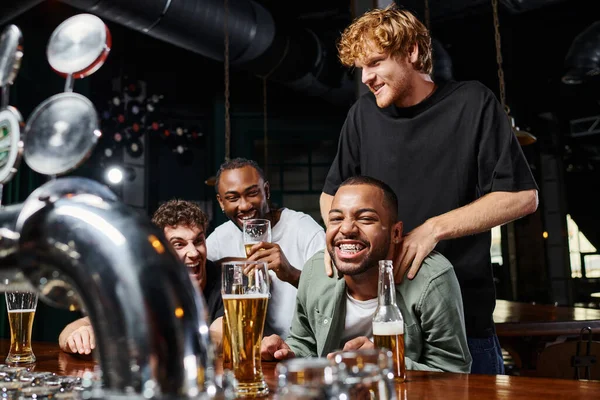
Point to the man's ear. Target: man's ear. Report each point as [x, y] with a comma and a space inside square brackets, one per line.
[397, 232]
[220, 202]
[267, 190]
[413, 54]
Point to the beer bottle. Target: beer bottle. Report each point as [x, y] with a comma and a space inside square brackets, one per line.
[388, 324]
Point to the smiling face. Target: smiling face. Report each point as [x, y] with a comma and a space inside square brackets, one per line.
[360, 229]
[243, 194]
[389, 77]
[190, 245]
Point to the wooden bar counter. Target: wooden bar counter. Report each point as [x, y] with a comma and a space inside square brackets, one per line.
[420, 385]
[524, 329]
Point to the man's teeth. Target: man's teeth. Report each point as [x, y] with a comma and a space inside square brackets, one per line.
[376, 88]
[351, 248]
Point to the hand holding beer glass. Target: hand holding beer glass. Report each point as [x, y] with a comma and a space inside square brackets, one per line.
[245, 300]
[21, 310]
[255, 231]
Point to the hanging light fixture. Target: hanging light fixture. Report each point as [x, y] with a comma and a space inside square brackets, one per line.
[583, 59]
[525, 138]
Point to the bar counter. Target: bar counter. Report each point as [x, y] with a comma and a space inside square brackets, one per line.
[420, 385]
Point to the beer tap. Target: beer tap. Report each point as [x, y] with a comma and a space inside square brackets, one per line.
[78, 246]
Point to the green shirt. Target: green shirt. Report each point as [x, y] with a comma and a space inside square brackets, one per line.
[431, 305]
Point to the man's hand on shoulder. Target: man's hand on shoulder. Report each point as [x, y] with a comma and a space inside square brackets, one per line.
[275, 348]
[277, 261]
[414, 248]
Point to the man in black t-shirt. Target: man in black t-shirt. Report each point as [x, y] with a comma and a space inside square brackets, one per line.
[448, 152]
[184, 225]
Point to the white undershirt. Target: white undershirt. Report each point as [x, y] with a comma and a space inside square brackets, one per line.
[359, 318]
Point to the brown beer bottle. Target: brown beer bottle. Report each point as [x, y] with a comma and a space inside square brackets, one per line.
[388, 324]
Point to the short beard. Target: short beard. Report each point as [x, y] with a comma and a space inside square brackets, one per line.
[369, 262]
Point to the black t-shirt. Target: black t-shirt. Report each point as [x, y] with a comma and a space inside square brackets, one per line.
[212, 291]
[439, 155]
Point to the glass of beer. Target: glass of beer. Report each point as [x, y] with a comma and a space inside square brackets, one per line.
[245, 300]
[255, 231]
[21, 310]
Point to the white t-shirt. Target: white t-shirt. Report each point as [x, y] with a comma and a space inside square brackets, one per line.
[359, 318]
[299, 237]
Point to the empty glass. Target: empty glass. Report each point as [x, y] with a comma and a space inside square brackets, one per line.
[366, 373]
[308, 379]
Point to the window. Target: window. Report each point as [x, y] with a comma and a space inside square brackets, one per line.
[297, 170]
[496, 248]
[585, 260]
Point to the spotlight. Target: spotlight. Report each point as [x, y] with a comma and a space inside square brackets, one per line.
[115, 175]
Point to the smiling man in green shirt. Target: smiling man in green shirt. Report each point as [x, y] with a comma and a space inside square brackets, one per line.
[334, 313]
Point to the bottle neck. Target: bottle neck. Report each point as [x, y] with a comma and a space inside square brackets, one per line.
[387, 290]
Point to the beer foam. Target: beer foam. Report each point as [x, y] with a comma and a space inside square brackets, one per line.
[245, 296]
[22, 311]
[388, 328]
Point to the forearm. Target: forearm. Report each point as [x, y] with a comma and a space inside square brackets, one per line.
[493, 209]
[325, 204]
[68, 330]
[293, 277]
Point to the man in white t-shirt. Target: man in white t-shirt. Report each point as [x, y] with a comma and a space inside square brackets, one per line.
[243, 193]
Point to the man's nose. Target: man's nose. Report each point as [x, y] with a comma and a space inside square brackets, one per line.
[192, 251]
[366, 76]
[347, 227]
[244, 204]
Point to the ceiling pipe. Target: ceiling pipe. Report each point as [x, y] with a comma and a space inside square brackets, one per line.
[11, 9]
[291, 55]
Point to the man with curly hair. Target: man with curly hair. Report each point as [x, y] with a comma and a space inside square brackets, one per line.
[184, 225]
[450, 145]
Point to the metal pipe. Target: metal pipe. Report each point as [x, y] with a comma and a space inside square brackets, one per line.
[79, 246]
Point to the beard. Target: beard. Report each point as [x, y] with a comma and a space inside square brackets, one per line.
[369, 260]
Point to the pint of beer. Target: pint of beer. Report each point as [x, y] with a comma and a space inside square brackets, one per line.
[226, 345]
[21, 311]
[388, 324]
[248, 247]
[245, 300]
[390, 336]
